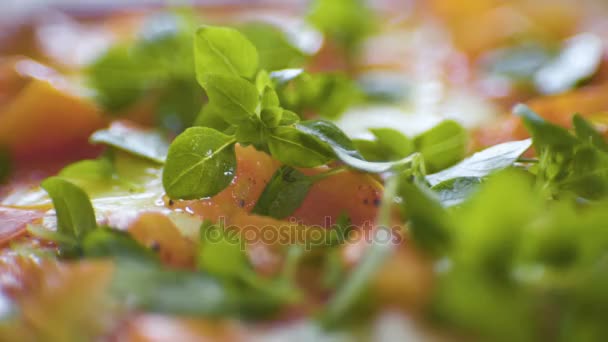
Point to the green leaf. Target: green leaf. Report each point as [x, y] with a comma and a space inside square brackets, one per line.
[75, 215]
[398, 145]
[298, 149]
[201, 162]
[178, 105]
[271, 117]
[149, 144]
[119, 79]
[586, 132]
[288, 118]
[347, 22]
[270, 98]
[454, 191]
[211, 116]
[223, 51]
[89, 171]
[543, 132]
[329, 133]
[5, 164]
[483, 163]
[146, 286]
[429, 223]
[443, 145]
[389, 145]
[344, 149]
[284, 193]
[108, 242]
[274, 49]
[220, 251]
[235, 97]
[566, 162]
[159, 59]
[325, 94]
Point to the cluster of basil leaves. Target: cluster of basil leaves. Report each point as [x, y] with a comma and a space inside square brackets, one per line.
[246, 109]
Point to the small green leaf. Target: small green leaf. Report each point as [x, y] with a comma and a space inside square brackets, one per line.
[233, 96]
[251, 131]
[271, 117]
[90, 171]
[223, 51]
[543, 132]
[483, 163]
[586, 132]
[149, 144]
[394, 141]
[296, 148]
[347, 22]
[329, 133]
[75, 215]
[284, 193]
[454, 191]
[289, 118]
[211, 116]
[107, 242]
[149, 287]
[269, 98]
[430, 226]
[274, 49]
[220, 251]
[201, 162]
[443, 145]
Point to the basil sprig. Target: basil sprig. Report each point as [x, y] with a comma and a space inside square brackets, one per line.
[244, 108]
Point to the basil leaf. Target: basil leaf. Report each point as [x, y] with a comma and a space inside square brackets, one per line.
[211, 116]
[146, 286]
[223, 51]
[234, 96]
[159, 61]
[119, 78]
[108, 242]
[271, 117]
[288, 118]
[585, 131]
[296, 148]
[543, 132]
[325, 94]
[482, 163]
[148, 144]
[443, 145]
[343, 147]
[90, 171]
[390, 144]
[75, 215]
[274, 49]
[347, 22]
[220, 251]
[201, 162]
[454, 191]
[330, 134]
[374, 167]
[429, 223]
[5, 164]
[398, 145]
[284, 193]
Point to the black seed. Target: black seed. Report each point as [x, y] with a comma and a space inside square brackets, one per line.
[155, 246]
